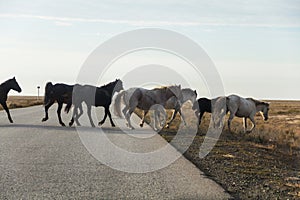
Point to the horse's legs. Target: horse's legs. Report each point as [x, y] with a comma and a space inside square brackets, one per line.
[143, 119]
[174, 115]
[78, 115]
[245, 124]
[71, 121]
[253, 124]
[104, 118]
[182, 116]
[162, 123]
[200, 117]
[110, 118]
[60, 105]
[127, 116]
[157, 119]
[172, 118]
[89, 112]
[4, 105]
[231, 116]
[125, 110]
[75, 115]
[107, 112]
[46, 111]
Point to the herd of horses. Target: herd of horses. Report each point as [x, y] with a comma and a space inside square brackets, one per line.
[167, 97]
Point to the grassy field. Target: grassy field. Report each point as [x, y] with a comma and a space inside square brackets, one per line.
[264, 164]
[23, 101]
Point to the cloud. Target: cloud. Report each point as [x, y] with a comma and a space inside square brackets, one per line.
[67, 21]
[60, 23]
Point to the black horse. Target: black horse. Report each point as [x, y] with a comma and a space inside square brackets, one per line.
[204, 106]
[95, 96]
[4, 89]
[60, 93]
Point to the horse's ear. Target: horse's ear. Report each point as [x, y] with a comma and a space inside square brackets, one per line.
[14, 78]
[195, 91]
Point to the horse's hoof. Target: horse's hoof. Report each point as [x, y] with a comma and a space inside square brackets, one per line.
[141, 125]
[63, 124]
[44, 119]
[70, 124]
[11, 122]
[100, 123]
[113, 125]
[168, 126]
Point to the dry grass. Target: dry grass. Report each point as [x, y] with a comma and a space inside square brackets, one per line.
[23, 101]
[261, 165]
[282, 128]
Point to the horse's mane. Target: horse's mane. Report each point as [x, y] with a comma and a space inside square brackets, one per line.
[161, 88]
[5, 82]
[109, 84]
[165, 87]
[257, 102]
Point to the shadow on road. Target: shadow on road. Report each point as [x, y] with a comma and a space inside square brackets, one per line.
[107, 130]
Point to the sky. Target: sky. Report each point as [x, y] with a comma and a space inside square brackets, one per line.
[255, 45]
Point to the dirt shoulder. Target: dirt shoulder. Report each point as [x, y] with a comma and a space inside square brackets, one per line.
[248, 170]
[264, 164]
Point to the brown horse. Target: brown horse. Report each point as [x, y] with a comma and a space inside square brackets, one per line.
[144, 99]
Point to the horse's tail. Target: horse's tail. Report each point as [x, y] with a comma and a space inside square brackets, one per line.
[117, 105]
[48, 88]
[68, 107]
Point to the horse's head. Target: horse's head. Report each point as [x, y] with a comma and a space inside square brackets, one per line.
[265, 110]
[189, 95]
[14, 85]
[118, 85]
[176, 90]
[49, 93]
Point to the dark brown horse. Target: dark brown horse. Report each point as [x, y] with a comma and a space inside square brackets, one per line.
[60, 93]
[203, 105]
[5, 87]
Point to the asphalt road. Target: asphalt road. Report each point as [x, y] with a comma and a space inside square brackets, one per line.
[45, 161]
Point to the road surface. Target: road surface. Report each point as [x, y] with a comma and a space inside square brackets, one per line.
[45, 161]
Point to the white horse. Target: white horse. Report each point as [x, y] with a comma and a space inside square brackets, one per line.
[145, 100]
[246, 108]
